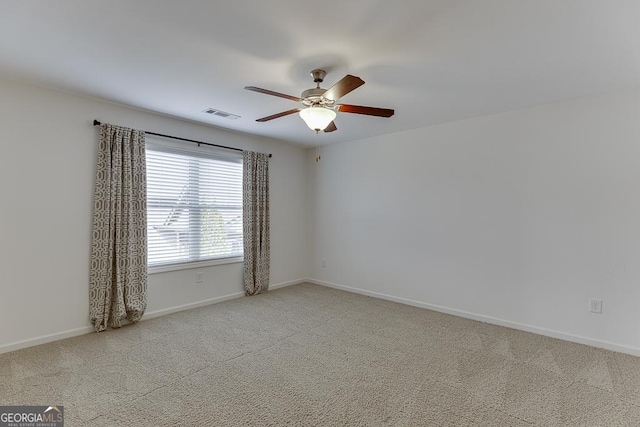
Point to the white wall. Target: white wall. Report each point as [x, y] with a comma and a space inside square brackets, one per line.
[517, 218]
[47, 171]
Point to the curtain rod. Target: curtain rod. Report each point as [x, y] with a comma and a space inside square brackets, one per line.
[97, 123]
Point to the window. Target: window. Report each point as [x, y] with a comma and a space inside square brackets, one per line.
[194, 205]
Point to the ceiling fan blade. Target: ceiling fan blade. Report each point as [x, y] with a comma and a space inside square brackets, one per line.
[275, 116]
[343, 87]
[270, 92]
[331, 127]
[369, 111]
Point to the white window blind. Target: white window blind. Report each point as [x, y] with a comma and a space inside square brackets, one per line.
[194, 204]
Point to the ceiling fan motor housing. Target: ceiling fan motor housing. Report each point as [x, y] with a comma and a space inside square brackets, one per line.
[314, 97]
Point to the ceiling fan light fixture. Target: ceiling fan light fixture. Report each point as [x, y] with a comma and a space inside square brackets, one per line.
[317, 118]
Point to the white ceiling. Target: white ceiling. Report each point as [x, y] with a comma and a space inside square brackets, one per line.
[433, 61]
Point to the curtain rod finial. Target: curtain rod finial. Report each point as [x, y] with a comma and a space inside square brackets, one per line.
[96, 123]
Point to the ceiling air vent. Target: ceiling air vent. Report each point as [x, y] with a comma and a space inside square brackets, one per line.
[219, 113]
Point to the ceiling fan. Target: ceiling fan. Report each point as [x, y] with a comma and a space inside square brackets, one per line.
[319, 105]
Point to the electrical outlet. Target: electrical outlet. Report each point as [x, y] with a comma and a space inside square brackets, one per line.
[323, 263]
[198, 277]
[595, 306]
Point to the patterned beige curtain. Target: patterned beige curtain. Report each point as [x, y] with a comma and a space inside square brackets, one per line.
[255, 222]
[118, 282]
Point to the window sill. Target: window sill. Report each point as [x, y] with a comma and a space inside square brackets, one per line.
[196, 264]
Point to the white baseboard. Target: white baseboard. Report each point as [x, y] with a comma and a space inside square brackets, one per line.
[43, 339]
[216, 300]
[285, 284]
[5, 348]
[607, 345]
[165, 311]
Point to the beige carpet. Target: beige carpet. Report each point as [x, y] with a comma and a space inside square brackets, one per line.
[309, 355]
